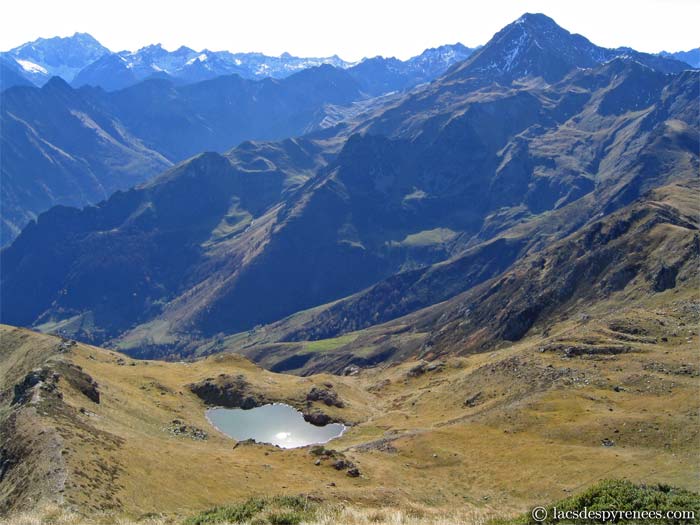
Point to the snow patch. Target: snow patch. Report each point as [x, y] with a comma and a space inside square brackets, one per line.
[31, 67]
[515, 51]
[200, 58]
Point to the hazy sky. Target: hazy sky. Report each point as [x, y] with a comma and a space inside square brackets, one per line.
[351, 29]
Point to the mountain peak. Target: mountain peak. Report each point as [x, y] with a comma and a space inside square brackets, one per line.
[539, 27]
[536, 19]
[184, 49]
[56, 84]
[84, 37]
[58, 56]
[533, 45]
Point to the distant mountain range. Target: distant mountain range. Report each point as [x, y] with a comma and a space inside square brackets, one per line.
[410, 201]
[691, 57]
[377, 75]
[118, 70]
[81, 60]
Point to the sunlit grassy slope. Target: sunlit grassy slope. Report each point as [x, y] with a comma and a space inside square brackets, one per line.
[486, 434]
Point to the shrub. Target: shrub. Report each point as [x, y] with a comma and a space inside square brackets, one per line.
[230, 513]
[623, 495]
[277, 510]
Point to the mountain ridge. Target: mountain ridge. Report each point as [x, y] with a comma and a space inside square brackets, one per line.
[374, 203]
[90, 63]
[97, 142]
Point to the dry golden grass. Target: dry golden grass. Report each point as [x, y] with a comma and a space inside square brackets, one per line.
[330, 514]
[531, 439]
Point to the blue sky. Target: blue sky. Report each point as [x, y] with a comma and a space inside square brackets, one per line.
[351, 29]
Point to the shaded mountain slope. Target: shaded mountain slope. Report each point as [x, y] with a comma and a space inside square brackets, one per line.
[648, 247]
[181, 121]
[11, 74]
[221, 112]
[60, 146]
[621, 174]
[149, 240]
[647, 252]
[76, 147]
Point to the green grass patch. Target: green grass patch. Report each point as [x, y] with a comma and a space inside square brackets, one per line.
[427, 238]
[233, 223]
[324, 345]
[278, 510]
[619, 495]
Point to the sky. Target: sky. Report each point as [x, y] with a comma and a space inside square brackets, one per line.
[350, 29]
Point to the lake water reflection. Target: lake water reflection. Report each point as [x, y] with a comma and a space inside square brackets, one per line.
[278, 424]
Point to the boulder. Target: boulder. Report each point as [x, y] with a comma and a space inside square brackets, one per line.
[326, 396]
[318, 419]
[342, 464]
[351, 370]
[474, 400]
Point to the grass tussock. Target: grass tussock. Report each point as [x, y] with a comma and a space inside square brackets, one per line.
[56, 515]
[281, 510]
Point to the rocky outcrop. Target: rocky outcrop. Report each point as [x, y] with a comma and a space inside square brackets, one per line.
[317, 418]
[326, 396]
[42, 378]
[179, 428]
[665, 278]
[379, 445]
[228, 391]
[81, 381]
[46, 380]
[582, 349]
[423, 367]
